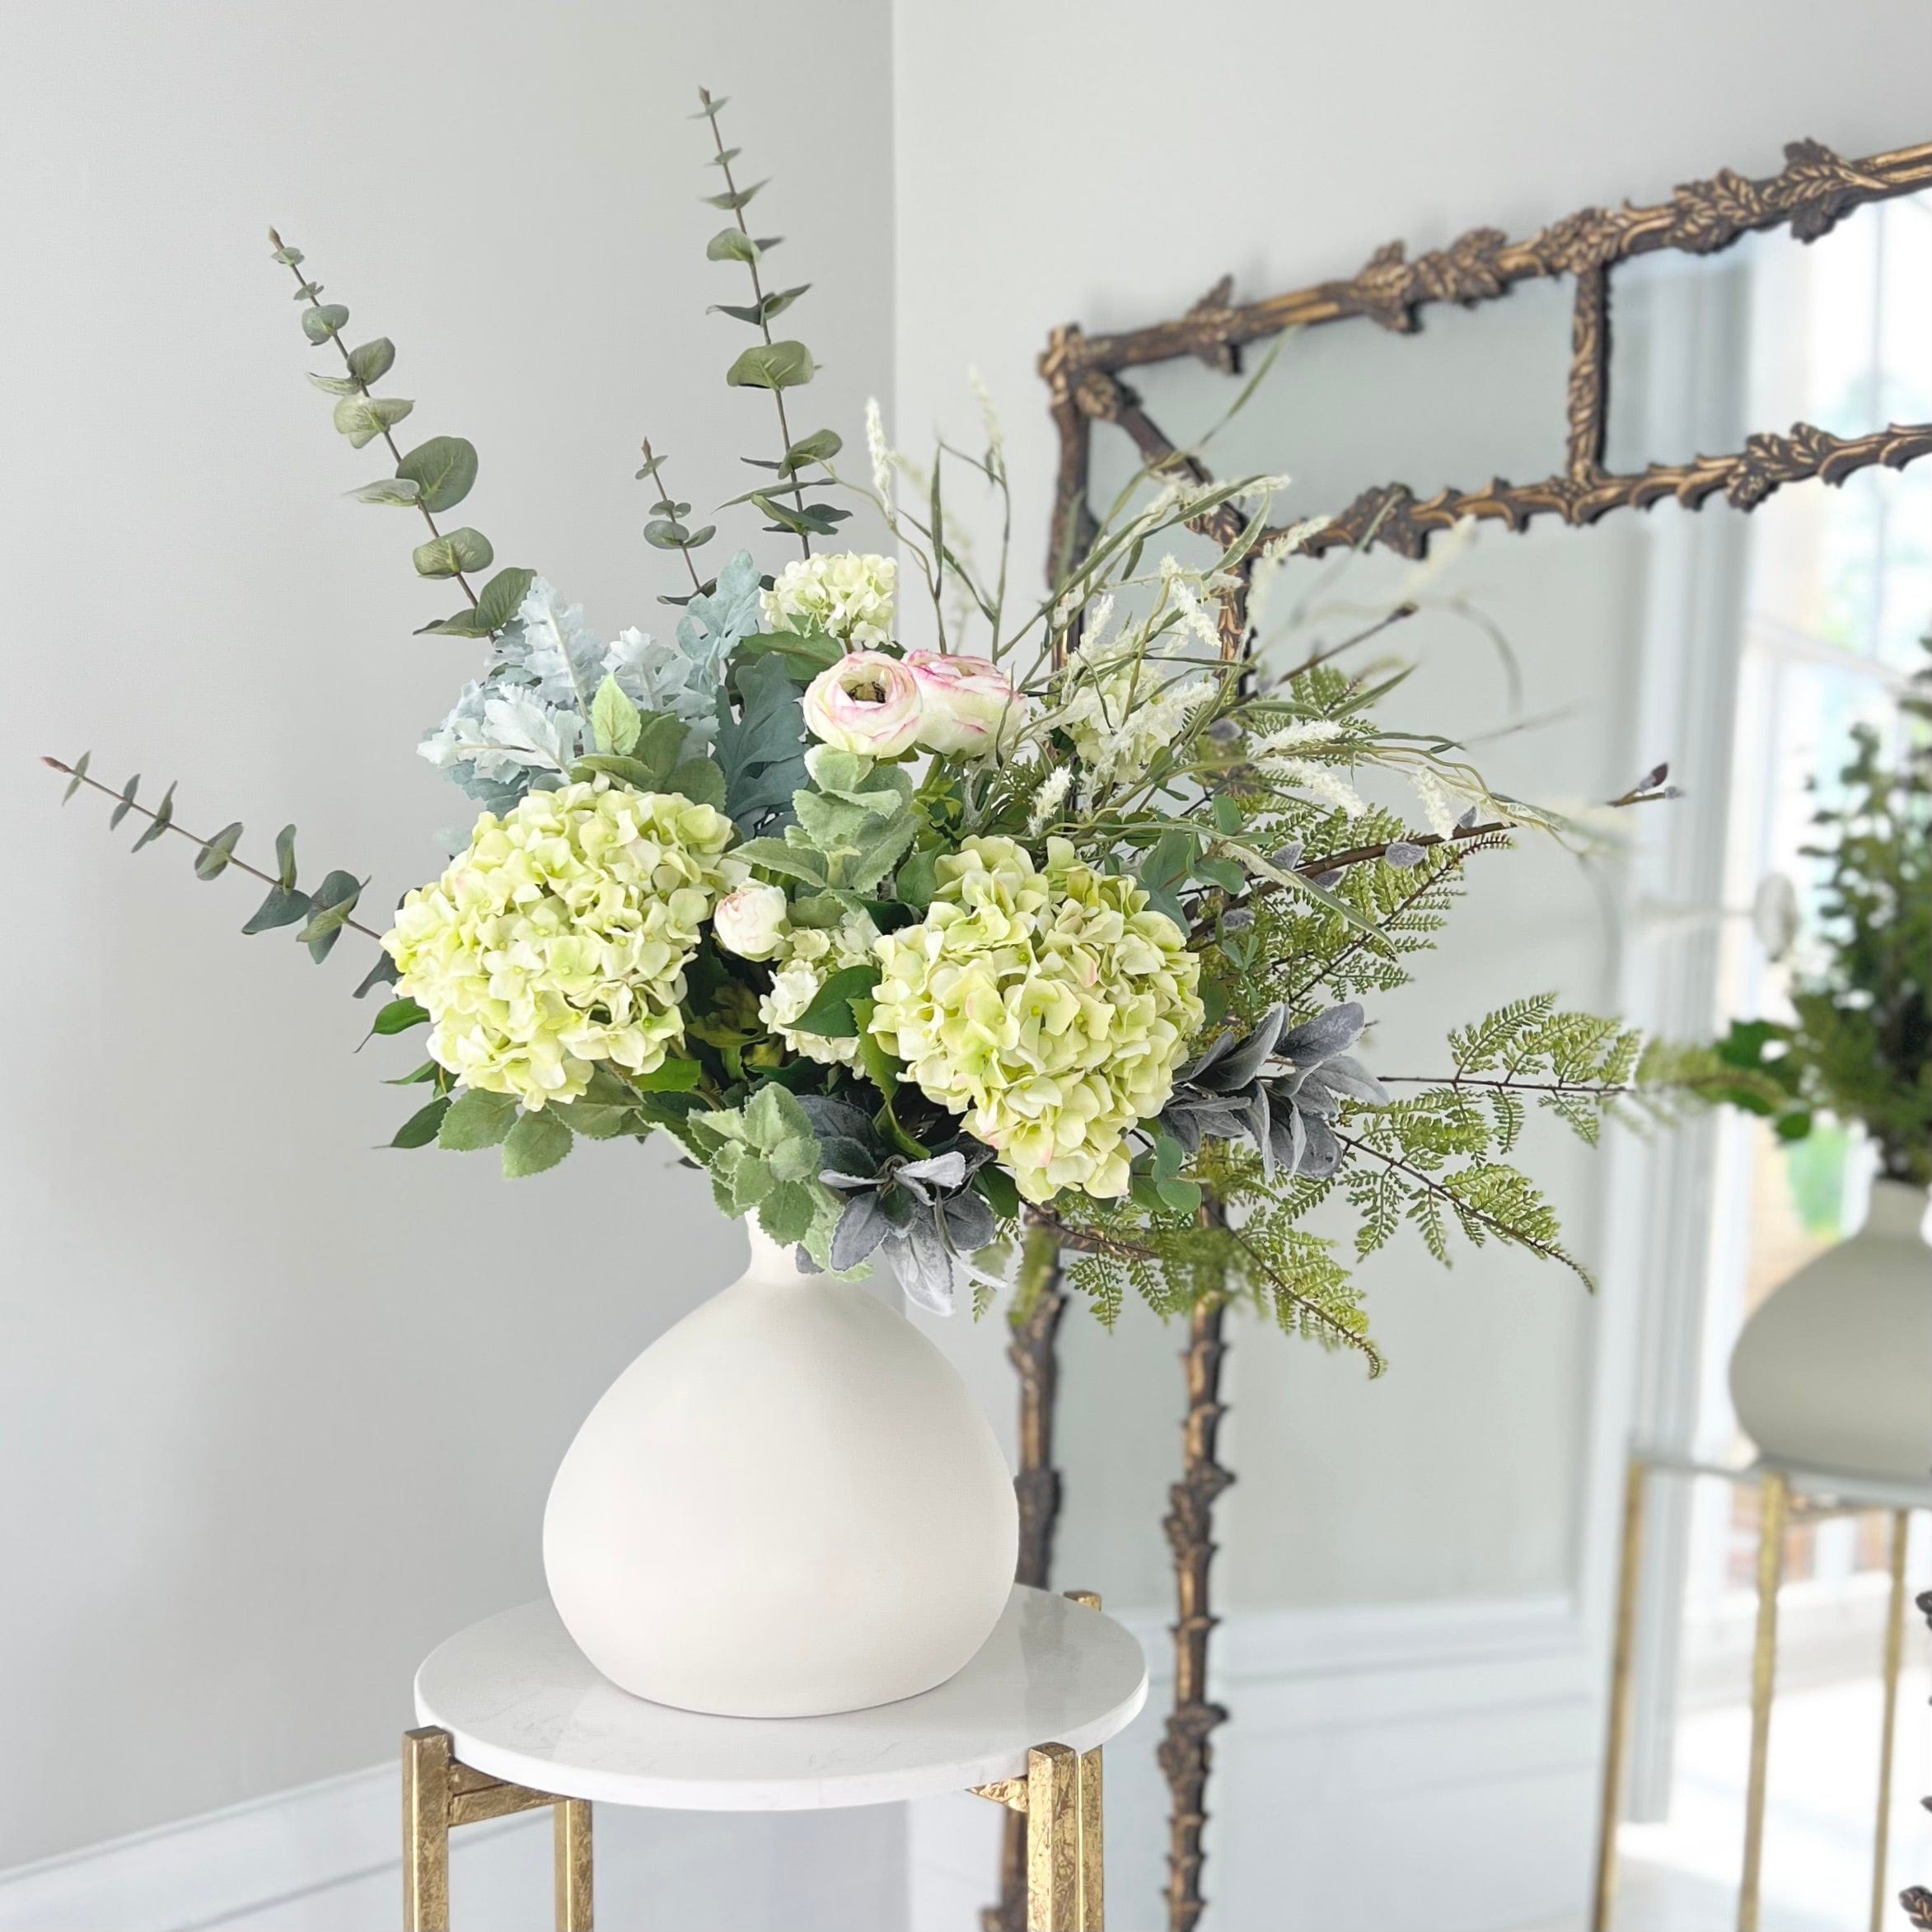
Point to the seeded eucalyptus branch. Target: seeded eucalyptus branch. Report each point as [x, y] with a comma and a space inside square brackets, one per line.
[323, 913]
[774, 365]
[434, 476]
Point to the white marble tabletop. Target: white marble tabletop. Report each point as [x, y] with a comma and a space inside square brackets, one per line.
[522, 1703]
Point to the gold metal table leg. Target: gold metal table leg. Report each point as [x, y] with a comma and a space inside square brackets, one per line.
[1617, 1725]
[1894, 1656]
[426, 1831]
[1053, 1839]
[439, 1793]
[1773, 1502]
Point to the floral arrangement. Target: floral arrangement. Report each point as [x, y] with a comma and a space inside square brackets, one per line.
[1058, 935]
[1858, 1044]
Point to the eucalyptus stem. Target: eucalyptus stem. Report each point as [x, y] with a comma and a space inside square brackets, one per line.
[654, 468]
[778, 396]
[307, 284]
[169, 825]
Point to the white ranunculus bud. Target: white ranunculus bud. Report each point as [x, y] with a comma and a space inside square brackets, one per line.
[751, 922]
[966, 703]
[866, 703]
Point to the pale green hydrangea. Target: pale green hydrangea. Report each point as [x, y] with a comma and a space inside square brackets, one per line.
[1049, 1007]
[847, 596]
[558, 938]
[808, 956]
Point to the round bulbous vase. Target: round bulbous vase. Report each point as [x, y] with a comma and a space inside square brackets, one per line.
[788, 1505]
[1833, 1371]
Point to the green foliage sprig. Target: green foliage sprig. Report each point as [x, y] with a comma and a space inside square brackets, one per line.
[776, 364]
[432, 478]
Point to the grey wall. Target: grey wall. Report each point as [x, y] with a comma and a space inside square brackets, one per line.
[1121, 159]
[279, 1411]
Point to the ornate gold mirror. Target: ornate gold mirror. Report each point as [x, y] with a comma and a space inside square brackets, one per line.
[1572, 407]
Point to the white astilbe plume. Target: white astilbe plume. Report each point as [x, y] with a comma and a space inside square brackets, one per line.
[1048, 800]
[1319, 781]
[995, 437]
[879, 451]
[1297, 737]
[1181, 587]
[1273, 558]
[1437, 806]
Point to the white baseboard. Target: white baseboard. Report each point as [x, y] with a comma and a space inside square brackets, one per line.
[324, 1858]
[1387, 1768]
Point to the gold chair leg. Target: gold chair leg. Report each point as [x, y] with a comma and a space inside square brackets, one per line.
[1773, 1500]
[570, 1822]
[1053, 1839]
[1618, 1726]
[1092, 1825]
[426, 1831]
[1894, 1656]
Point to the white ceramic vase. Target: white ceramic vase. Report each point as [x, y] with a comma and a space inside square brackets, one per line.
[787, 1505]
[1833, 1371]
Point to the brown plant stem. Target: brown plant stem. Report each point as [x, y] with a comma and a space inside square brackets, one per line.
[1185, 1757]
[778, 396]
[240, 864]
[307, 282]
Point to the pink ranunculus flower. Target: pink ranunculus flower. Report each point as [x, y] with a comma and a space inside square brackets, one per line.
[867, 703]
[966, 703]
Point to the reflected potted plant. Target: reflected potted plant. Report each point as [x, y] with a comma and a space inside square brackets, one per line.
[1834, 1369]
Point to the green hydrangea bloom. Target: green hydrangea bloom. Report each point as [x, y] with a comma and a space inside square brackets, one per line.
[559, 937]
[1050, 1008]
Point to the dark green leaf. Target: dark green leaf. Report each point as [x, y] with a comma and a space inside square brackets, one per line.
[815, 519]
[996, 1185]
[281, 908]
[829, 1014]
[806, 654]
[320, 324]
[820, 446]
[386, 972]
[333, 902]
[422, 1074]
[698, 779]
[456, 551]
[372, 360]
[164, 814]
[446, 467]
[537, 1142]
[421, 1128]
[1221, 872]
[1227, 814]
[211, 861]
[1170, 861]
[503, 596]
[671, 1076]
[478, 1119]
[127, 803]
[917, 880]
[761, 749]
[285, 858]
[772, 365]
[399, 1016]
[659, 744]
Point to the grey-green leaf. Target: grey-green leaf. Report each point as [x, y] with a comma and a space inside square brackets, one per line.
[538, 1141]
[332, 903]
[734, 198]
[700, 780]
[281, 908]
[731, 245]
[285, 858]
[163, 813]
[127, 803]
[372, 360]
[211, 861]
[336, 384]
[772, 365]
[820, 446]
[458, 550]
[446, 468]
[478, 1119]
[320, 324]
[361, 419]
[403, 491]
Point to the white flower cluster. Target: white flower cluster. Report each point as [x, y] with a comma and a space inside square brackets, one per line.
[845, 594]
[808, 956]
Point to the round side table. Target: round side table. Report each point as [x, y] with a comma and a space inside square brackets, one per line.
[514, 1717]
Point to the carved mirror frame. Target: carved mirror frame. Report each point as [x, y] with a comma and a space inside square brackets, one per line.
[1084, 375]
